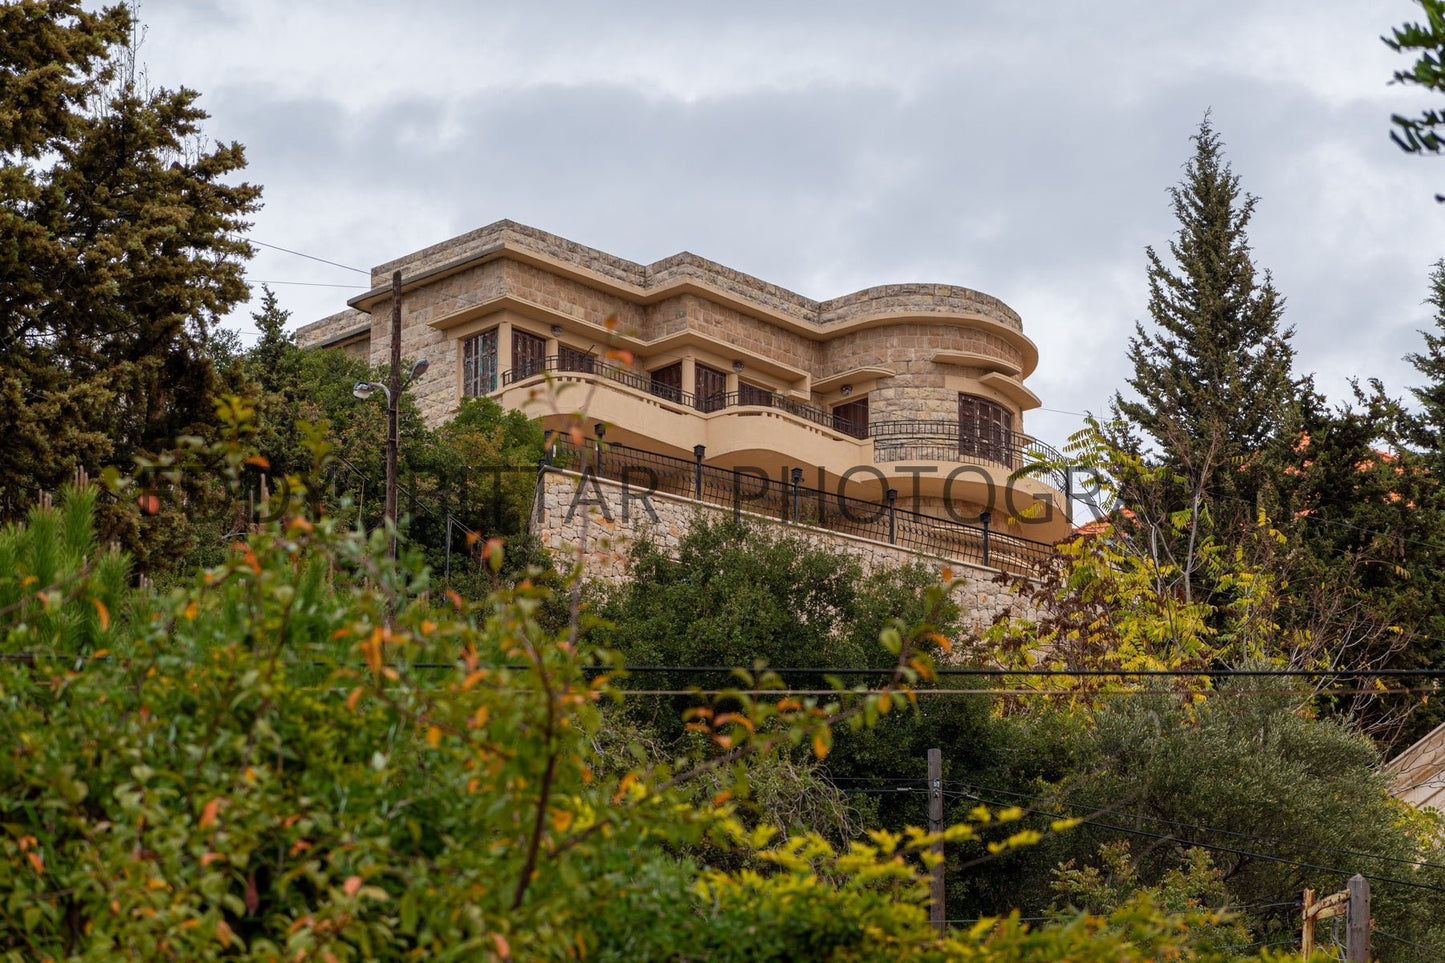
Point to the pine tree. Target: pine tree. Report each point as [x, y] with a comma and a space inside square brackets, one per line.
[118, 249]
[1427, 428]
[1216, 393]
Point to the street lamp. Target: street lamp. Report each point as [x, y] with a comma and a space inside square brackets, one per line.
[363, 390]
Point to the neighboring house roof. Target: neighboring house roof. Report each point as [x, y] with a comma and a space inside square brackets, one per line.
[1417, 775]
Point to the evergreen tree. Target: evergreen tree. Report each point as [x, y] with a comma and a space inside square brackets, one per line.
[1216, 394]
[1427, 428]
[118, 249]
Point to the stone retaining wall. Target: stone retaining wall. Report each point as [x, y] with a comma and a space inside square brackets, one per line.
[571, 511]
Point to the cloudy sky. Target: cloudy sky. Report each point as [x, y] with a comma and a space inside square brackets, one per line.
[1021, 149]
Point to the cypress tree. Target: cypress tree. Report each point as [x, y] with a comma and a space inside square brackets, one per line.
[1216, 395]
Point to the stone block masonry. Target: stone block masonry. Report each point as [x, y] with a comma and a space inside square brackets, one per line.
[604, 519]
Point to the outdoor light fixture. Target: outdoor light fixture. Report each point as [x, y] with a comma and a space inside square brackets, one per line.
[846, 390]
[363, 389]
[600, 429]
[556, 330]
[738, 367]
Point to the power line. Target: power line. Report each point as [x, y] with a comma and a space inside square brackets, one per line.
[309, 257]
[308, 284]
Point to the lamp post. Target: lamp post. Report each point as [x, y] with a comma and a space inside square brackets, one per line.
[364, 390]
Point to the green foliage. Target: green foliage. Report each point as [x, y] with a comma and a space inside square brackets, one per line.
[284, 757]
[118, 251]
[1215, 393]
[1420, 134]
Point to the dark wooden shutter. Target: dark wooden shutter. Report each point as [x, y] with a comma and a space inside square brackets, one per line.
[985, 430]
[852, 418]
[754, 395]
[571, 359]
[667, 382]
[529, 355]
[712, 388]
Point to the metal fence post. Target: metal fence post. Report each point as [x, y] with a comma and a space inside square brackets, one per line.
[697, 452]
[984, 517]
[601, 430]
[892, 516]
[797, 481]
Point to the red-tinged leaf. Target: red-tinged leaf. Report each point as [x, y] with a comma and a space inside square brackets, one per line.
[454, 598]
[36, 861]
[223, 933]
[209, 858]
[102, 613]
[504, 949]
[353, 699]
[208, 813]
[253, 896]
[352, 885]
[611, 322]
[259, 462]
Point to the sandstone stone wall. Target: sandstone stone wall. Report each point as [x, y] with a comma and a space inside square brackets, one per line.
[568, 514]
[330, 328]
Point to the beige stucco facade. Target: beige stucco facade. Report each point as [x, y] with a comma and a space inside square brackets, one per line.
[883, 388]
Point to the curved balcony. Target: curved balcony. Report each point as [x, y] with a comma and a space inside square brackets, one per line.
[941, 440]
[749, 398]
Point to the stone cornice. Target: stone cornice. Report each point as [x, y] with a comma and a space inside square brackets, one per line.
[685, 272]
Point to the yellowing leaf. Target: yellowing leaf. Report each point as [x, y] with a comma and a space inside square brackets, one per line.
[434, 736]
[208, 813]
[223, 933]
[822, 744]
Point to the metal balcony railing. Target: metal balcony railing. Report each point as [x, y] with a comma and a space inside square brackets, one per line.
[756, 494]
[936, 440]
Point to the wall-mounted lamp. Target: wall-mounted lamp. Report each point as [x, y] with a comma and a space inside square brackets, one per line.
[556, 330]
[738, 367]
[846, 390]
[600, 428]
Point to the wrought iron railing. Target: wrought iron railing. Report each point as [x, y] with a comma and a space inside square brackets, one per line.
[754, 493]
[944, 440]
[936, 440]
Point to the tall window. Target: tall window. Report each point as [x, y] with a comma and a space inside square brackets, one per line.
[570, 359]
[479, 364]
[667, 382]
[711, 390]
[985, 430]
[852, 418]
[529, 354]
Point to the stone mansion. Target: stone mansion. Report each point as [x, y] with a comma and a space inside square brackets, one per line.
[909, 395]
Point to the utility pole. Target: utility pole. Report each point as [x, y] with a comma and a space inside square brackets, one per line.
[393, 403]
[1353, 903]
[1357, 928]
[936, 914]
